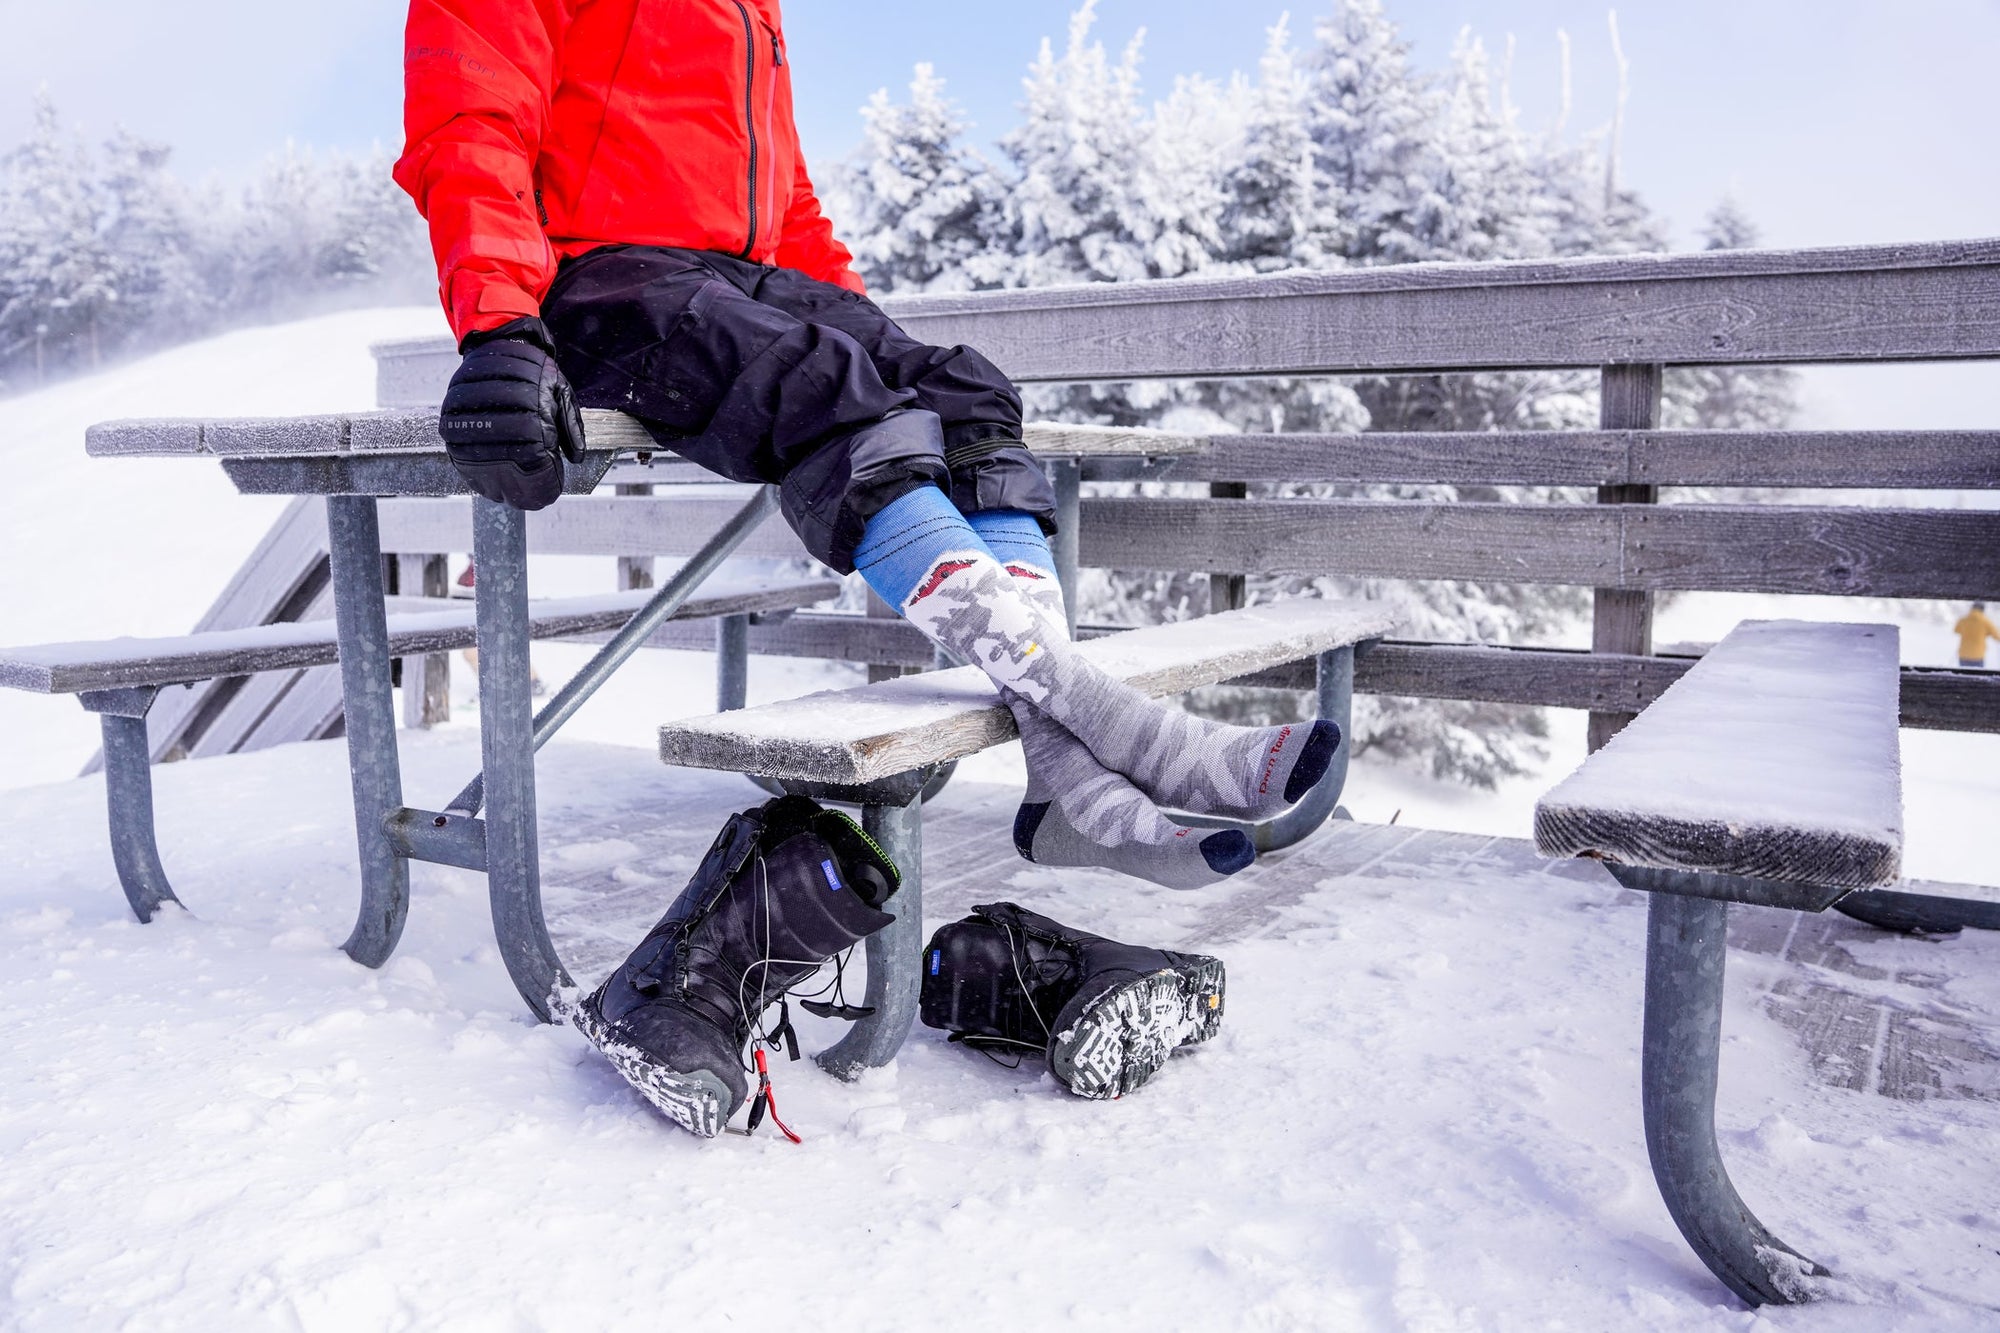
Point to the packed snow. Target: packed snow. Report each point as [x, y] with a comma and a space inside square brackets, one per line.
[1421, 1112]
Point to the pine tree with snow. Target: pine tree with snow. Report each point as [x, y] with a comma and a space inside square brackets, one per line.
[1094, 198]
[1477, 198]
[58, 280]
[921, 208]
[378, 242]
[1267, 186]
[164, 295]
[1370, 118]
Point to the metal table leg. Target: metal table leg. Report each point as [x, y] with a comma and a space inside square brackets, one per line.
[1334, 679]
[732, 663]
[355, 544]
[1685, 952]
[128, 796]
[507, 751]
[894, 953]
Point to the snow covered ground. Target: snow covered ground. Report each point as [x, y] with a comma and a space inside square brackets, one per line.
[1421, 1113]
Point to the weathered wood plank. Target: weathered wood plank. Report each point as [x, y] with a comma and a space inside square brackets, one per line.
[68, 668]
[285, 573]
[894, 726]
[1853, 303]
[1835, 550]
[311, 708]
[1774, 757]
[1941, 699]
[671, 525]
[1575, 544]
[145, 438]
[1839, 551]
[1890, 459]
[408, 432]
[239, 712]
[1913, 460]
[830, 636]
[1901, 302]
[1932, 698]
[383, 474]
[426, 679]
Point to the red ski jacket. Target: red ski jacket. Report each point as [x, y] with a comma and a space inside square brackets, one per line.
[539, 129]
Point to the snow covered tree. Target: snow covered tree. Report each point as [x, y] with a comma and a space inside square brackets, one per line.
[163, 293]
[921, 207]
[1370, 119]
[58, 279]
[378, 242]
[1267, 182]
[1094, 199]
[1477, 197]
[103, 251]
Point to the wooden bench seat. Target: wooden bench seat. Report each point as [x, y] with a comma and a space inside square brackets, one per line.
[119, 679]
[1774, 757]
[871, 732]
[76, 668]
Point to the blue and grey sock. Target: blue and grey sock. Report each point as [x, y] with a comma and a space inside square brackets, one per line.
[1076, 811]
[922, 557]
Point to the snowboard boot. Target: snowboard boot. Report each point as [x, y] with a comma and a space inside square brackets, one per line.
[784, 888]
[1106, 1014]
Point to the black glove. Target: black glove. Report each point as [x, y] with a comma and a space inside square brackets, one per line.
[509, 417]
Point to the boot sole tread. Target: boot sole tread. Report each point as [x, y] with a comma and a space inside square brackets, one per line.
[694, 1102]
[1123, 1037]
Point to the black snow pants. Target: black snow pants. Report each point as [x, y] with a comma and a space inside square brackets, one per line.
[764, 374]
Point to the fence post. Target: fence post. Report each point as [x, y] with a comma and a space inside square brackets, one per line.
[1623, 618]
[426, 680]
[634, 571]
[1228, 592]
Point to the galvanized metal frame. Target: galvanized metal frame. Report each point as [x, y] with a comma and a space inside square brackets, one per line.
[128, 795]
[1686, 949]
[354, 542]
[1687, 926]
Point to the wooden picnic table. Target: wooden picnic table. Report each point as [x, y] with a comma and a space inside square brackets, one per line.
[355, 459]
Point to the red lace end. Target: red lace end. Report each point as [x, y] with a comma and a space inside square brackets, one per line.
[770, 1101]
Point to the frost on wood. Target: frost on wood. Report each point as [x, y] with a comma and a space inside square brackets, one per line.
[1776, 756]
[68, 668]
[415, 431]
[880, 730]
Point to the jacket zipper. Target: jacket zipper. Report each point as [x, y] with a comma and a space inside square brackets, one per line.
[750, 116]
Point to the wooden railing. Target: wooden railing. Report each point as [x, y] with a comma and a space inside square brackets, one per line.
[1629, 319]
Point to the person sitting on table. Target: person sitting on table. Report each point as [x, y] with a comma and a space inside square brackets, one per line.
[623, 219]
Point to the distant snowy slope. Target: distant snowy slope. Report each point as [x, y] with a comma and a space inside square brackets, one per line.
[95, 548]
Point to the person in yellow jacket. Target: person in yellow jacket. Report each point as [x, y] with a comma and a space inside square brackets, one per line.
[1973, 632]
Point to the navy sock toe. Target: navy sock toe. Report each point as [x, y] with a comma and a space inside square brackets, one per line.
[1314, 760]
[1026, 820]
[1228, 851]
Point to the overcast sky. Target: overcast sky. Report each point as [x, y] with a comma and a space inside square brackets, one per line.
[1831, 121]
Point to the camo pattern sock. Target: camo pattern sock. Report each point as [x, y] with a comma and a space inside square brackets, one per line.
[1076, 811]
[944, 581]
